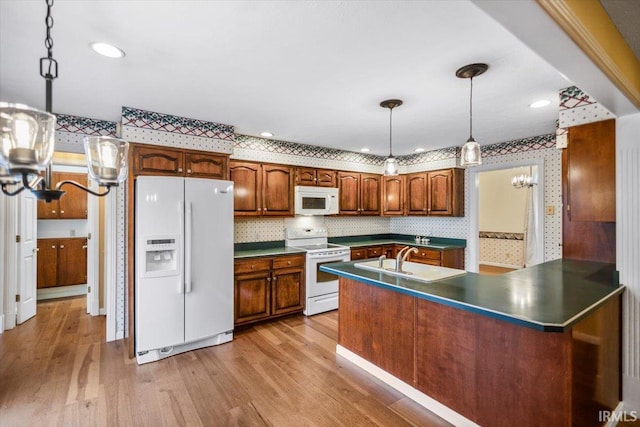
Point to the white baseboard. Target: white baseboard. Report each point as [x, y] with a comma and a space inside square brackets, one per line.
[120, 335]
[1, 323]
[631, 393]
[498, 264]
[416, 395]
[61, 292]
[103, 312]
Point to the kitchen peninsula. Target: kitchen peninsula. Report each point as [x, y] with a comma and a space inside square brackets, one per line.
[539, 345]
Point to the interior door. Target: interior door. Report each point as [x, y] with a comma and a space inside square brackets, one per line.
[27, 248]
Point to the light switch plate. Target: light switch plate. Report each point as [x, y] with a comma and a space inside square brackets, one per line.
[550, 210]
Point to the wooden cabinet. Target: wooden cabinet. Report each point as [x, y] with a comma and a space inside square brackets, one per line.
[268, 287]
[393, 195]
[261, 189]
[156, 160]
[452, 258]
[316, 177]
[435, 193]
[62, 262]
[72, 205]
[589, 193]
[359, 193]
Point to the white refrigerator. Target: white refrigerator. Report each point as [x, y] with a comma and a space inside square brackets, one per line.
[183, 265]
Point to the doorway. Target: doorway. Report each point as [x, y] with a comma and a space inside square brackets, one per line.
[506, 224]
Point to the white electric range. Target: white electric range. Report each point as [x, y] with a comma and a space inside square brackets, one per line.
[321, 287]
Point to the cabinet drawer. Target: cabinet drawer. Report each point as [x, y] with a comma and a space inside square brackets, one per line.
[374, 251]
[426, 254]
[358, 253]
[254, 264]
[288, 261]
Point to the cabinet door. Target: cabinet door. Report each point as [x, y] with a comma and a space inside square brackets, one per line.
[349, 184]
[247, 180]
[277, 190]
[47, 263]
[73, 204]
[213, 166]
[157, 161]
[416, 194]
[369, 194]
[393, 195]
[306, 176]
[48, 210]
[591, 172]
[326, 178]
[252, 296]
[445, 192]
[374, 251]
[358, 253]
[287, 294]
[72, 262]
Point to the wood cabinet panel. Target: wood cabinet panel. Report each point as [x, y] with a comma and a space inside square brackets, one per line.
[316, 177]
[374, 251]
[62, 262]
[148, 160]
[288, 261]
[47, 263]
[201, 165]
[393, 195]
[247, 193]
[358, 253]
[416, 193]
[349, 185]
[326, 178]
[287, 291]
[445, 192]
[277, 190]
[252, 296]
[369, 194]
[306, 176]
[72, 205]
[252, 265]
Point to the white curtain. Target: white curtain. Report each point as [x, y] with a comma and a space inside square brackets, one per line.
[530, 232]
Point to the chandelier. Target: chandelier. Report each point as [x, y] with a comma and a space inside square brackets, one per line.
[27, 139]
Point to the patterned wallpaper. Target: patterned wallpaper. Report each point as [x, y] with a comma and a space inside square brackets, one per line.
[502, 252]
[71, 130]
[578, 108]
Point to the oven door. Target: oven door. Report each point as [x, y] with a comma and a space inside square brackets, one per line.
[320, 282]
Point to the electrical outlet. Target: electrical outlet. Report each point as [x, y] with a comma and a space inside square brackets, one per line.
[72, 232]
[550, 210]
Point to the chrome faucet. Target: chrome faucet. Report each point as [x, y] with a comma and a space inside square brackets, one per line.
[381, 260]
[402, 257]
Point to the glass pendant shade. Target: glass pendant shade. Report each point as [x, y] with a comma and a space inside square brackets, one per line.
[470, 155]
[390, 166]
[106, 159]
[27, 137]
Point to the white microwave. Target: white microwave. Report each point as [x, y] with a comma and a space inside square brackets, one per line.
[316, 200]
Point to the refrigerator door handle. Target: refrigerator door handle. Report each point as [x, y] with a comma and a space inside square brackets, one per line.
[187, 247]
[181, 207]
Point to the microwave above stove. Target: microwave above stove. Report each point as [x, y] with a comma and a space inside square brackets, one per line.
[316, 200]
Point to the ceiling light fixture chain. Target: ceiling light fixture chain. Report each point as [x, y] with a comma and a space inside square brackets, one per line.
[48, 65]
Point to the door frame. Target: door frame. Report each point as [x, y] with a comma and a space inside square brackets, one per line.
[110, 273]
[10, 278]
[473, 188]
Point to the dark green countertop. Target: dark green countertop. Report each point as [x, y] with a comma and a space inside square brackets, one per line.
[439, 243]
[257, 249]
[550, 297]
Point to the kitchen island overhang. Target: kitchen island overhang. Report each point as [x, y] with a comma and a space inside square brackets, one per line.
[476, 349]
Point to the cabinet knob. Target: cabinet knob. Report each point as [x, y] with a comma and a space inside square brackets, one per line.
[423, 254]
[179, 169]
[61, 212]
[264, 209]
[36, 250]
[268, 279]
[53, 246]
[253, 266]
[53, 211]
[188, 170]
[61, 246]
[289, 262]
[275, 279]
[84, 246]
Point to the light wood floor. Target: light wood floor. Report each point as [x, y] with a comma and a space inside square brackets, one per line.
[56, 370]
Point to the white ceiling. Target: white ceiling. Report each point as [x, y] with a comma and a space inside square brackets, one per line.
[312, 72]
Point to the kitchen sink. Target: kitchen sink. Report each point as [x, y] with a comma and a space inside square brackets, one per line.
[411, 270]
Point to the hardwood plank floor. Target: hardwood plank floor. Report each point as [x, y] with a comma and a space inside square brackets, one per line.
[56, 370]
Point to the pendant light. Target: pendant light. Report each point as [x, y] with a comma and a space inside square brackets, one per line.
[470, 155]
[27, 139]
[391, 164]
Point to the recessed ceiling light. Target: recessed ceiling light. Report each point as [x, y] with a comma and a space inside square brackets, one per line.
[365, 150]
[106, 49]
[266, 134]
[419, 150]
[539, 104]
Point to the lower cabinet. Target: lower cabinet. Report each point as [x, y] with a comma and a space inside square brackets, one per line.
[268, 287]
[62, 262]
[452, 258]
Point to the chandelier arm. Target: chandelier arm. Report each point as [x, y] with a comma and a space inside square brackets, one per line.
[12, 193]
[82, 187]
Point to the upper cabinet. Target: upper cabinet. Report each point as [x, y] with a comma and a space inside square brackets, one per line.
[316, 177]
[435, 193]
[73, 205]
[262, 189]
[359, 193]
[591, 172]
[393, 195]
[155, 160]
